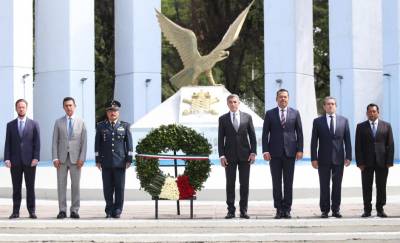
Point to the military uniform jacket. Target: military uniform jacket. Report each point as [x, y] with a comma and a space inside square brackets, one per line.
[113, 146]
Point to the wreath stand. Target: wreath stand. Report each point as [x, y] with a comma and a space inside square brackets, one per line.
[173, 138]
[178, 208]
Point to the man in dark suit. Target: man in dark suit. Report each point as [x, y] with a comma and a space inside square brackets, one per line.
[237, 148]
[21, 155]
[374, 154]
[330, 152]
[114, 151]
[282, 142]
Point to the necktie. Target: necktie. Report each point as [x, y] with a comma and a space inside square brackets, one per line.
[283, 119]
[331, 127]
[235, 122]
[21, 128]
[70, 128]
[112, 125]
[373, 129]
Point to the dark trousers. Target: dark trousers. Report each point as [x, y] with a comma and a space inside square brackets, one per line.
[244, 174]
[113, 189]
[367, 178]
[282, 167]
[16, 176]
[327, 172]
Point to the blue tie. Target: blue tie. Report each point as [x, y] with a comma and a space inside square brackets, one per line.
[373, 129]
[21, 128]
[70, 128]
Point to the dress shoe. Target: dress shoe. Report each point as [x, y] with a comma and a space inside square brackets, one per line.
[287, 215]
[366, 214]
[278, 214]
[381, 214]
[14, 216]
[116, 216]
[32, 215]
[244, 216]
[108, 216]
[61, 215]
[74, 215]
[324, 215]
[230, 215]
[336, 214]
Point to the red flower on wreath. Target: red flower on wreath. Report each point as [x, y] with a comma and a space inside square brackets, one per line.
[186, 190]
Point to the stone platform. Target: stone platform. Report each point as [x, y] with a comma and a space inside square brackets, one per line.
[137, 223]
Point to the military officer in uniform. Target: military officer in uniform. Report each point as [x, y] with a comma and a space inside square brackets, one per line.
[114, 150]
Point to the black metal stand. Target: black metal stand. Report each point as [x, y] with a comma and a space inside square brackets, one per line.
[156, 199]
[178, 208]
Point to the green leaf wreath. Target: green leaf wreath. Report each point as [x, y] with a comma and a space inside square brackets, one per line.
[166, 139]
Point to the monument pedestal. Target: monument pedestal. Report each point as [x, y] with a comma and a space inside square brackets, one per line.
[198, 107]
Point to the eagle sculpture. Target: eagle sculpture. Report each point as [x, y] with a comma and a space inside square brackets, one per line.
[185, 41]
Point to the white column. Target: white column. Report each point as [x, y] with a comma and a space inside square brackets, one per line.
[355, 39]
[16, 38]
[64, 65]
[137, 57]
[391, 67]
[288, 32]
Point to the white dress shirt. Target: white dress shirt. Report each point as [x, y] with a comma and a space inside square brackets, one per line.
[328, 120]
[285, 110]
[237, 116]
[21, 120]
[376, 124]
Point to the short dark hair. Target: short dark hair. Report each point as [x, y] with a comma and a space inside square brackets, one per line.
[68, 99]
[281, 91]
[21, 100]
[373, 105]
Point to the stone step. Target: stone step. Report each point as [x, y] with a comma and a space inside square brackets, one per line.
[369, 230]
[207, 237]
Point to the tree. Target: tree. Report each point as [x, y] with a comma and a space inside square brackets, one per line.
[104, 54]
[243, 71]
[321, 50]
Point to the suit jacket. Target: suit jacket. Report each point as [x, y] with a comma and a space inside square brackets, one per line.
[22, 150]
[378, 150]
[323, 144]
[75, 147]
[278, 140]
[113, 146]
[236, 146]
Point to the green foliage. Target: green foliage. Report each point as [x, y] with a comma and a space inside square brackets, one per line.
[172, 138]
[242, 72]
[321, 50]
[104, 54]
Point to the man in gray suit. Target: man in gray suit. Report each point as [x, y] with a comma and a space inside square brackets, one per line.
[69, 154]
[237, 147]
[330, 152]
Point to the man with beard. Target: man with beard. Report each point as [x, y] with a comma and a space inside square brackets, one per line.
[21, 155]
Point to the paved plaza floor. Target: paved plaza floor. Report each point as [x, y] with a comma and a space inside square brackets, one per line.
[137, 223]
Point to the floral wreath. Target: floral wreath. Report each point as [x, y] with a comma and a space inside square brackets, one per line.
[175, 138]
